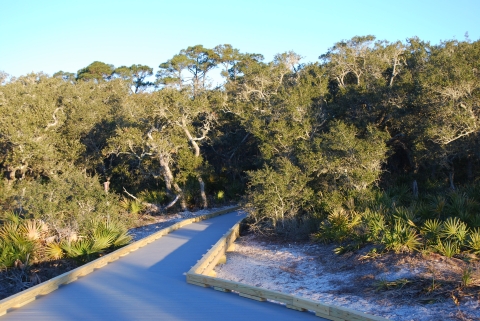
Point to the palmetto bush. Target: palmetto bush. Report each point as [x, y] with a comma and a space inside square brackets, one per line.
[404, 224]
[431, 231]
[454, 229]
[154, 197]
[102, 235]
[437, 205]
[15, 244]
[31, 240]
[473, 242]
[401, 237]
[375, 224]
[132, 206]
[447, 247]
[339, 226]
[474, 220]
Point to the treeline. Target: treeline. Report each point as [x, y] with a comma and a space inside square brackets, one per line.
[376, 142]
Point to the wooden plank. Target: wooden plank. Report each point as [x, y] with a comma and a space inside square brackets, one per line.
[328, 317]
[311, 305]
[222, 260]
[295, 308]
[199, 284]
[24, 302]
[240, 288]
[221, 289]
[99, 266]
[206, 264]
[253, 297]
[326, 311]
[46, 287]
[212, 261]
[212, 274]
[70, 281]
[352, 315]
[214, 255]
[46, 291]
[334, 311]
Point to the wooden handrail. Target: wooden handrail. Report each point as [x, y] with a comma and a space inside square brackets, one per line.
[29, 295]
[202, 274]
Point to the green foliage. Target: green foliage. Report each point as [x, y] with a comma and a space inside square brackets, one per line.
[132, 206]
[54, 251]
[447, 247]
[473, 242]
[277, 196]
[454, 229]
[97, 70]
[155, 197]
[15, 244]
[69, 201]
[81, 250]
[376, 143]
[375, 224]
[432, 230]
[383, 285]
[339, 226]
[347, 161]
[220, 196]
[467, 277]
[396, 227]
[401, 238]
[101, 235]
[135, 74]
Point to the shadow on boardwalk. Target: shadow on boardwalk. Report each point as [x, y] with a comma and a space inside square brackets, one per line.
[149, 284]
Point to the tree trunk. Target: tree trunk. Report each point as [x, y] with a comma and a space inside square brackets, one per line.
[167, 173]
[415, 189]
[197, 154]
[190, 139]
[202, 192]
[450, 178]
[169, 182]
[393, 74]
[179, 191]
[358, 78]
[106, 186]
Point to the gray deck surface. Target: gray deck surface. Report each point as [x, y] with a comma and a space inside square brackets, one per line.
[149, 284]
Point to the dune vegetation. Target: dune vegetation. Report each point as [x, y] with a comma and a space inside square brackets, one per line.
[376, 143]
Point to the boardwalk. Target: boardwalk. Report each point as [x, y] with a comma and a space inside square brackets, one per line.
[149, 284]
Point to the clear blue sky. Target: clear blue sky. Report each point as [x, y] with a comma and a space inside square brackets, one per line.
[53, 35]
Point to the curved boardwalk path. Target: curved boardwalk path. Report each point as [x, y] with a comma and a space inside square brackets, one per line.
[149, 284]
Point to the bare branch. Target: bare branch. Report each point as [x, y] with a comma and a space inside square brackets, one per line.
[55, 120]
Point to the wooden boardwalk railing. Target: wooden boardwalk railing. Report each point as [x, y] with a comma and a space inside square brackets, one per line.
[29, 295]
[203, 274]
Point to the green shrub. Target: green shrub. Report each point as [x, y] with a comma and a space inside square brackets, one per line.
[454, 229]
[276, 196]
[375, 223]
[473, 241]
[339, 226]
[103, 234]
[449, 248]
[401, 238]
[15, 245]
[431, 231]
